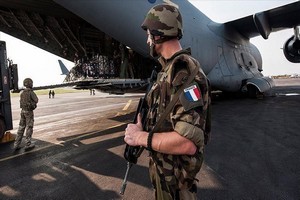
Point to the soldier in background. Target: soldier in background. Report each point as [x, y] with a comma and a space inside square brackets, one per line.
[53, 94]
[177, 146]
[28, 102]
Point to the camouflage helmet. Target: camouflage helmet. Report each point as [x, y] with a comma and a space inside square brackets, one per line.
[28, 82]
[164, 20]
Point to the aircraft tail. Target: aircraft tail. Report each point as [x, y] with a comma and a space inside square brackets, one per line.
[64, 69]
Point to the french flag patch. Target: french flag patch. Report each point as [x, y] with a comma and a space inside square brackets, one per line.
[192, 93]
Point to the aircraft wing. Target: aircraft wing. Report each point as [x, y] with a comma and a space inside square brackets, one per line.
[113, 86]
[263, 23]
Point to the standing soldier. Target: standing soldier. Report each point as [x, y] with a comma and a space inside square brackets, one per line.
[177, 145]
[53, 94]
[28, 102]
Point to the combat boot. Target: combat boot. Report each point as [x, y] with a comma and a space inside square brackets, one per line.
[16, 147]
[29, 147]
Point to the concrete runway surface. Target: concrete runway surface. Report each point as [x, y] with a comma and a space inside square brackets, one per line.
[253, 153]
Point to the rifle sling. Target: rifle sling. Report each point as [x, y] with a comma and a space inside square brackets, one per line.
[169, 108]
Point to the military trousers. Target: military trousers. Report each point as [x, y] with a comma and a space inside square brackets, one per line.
[26, 122]
[163, 191]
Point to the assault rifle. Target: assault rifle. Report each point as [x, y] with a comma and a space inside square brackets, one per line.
[132, 153]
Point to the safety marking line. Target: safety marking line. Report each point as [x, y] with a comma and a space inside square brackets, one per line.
[127, 105]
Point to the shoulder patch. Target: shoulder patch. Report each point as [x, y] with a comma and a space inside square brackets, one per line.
[192, 93]
[191, 97]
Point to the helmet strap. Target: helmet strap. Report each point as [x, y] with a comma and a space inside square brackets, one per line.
[153, 52]
[161, 39]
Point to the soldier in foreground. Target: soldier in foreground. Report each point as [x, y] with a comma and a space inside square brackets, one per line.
[28, 102]
[177, 124]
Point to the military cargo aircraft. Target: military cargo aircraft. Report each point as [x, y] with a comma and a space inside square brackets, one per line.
[91, 32]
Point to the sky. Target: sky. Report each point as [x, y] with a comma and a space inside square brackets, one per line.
[43, 67]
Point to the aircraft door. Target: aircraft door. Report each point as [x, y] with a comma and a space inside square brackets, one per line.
[236, 64]
[245, 60]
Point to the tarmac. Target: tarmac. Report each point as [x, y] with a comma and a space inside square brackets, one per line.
[254, 148]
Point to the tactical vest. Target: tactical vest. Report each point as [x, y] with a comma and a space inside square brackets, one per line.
[176, 170]
[26, 101]
[173, 75]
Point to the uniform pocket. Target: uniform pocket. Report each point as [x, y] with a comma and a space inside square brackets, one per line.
[186, 168]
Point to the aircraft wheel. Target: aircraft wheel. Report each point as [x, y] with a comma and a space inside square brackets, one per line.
[2, 128]
[252, 91]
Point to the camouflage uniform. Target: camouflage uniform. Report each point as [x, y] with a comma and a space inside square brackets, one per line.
[28, 102]
[174, 176]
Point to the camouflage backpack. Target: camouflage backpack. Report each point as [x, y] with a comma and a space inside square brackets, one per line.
[26, 101]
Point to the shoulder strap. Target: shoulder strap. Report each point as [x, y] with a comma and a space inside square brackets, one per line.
[174, 100]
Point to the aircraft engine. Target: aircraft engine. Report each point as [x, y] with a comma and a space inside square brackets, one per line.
[291, 48]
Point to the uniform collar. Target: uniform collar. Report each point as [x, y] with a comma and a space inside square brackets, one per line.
[165, 62]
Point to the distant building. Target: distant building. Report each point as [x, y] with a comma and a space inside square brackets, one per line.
[295, 76]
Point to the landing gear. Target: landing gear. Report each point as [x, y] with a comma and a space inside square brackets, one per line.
[254, 93]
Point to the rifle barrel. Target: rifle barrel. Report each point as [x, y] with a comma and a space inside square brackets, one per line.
[124, 184]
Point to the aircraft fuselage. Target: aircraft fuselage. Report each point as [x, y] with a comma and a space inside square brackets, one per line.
[228, 58]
